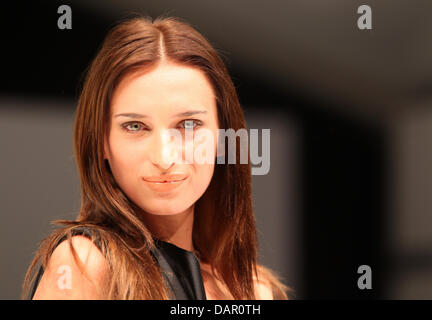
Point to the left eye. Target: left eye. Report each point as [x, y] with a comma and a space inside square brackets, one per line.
[190, 124]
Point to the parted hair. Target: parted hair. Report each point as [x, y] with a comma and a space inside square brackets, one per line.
[224, 231]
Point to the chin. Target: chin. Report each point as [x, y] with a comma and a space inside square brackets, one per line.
[165, 210]
[162, 212]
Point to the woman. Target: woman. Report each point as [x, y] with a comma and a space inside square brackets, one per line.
[151, 227]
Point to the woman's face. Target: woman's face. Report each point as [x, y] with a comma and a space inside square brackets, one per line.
[141, 154]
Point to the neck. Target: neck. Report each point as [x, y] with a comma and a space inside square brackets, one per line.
[175, 229]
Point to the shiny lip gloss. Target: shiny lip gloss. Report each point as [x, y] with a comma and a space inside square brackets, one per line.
[165, 183]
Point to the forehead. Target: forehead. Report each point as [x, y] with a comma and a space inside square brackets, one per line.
[165, 87]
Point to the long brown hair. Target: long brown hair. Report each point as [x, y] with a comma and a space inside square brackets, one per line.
[224, 231]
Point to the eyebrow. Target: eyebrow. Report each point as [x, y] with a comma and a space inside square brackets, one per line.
[182, 114]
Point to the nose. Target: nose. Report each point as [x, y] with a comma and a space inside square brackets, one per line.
[162, 151]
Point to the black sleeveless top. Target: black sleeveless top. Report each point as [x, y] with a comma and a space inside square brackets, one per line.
[180, 269]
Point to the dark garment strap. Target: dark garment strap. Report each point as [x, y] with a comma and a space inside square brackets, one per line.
[180, 268]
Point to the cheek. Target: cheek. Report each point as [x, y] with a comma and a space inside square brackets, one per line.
[203, 174]
[204, 147]
[123, 160]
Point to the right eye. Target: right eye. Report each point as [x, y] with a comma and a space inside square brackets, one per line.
[134, 126]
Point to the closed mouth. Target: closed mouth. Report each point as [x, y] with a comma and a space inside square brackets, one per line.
[168, 179]
[164, 185]
[162, 182]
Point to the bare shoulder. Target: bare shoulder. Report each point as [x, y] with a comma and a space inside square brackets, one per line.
[263, 287]
[63, 278]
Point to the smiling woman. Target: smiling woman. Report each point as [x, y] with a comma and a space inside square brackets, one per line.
[152, 226]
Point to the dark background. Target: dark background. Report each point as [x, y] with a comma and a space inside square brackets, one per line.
[357, 103]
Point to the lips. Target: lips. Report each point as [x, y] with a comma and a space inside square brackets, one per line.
[165, 184]
[165, 178]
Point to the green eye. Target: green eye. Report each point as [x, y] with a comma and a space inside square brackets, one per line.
[132, 126]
